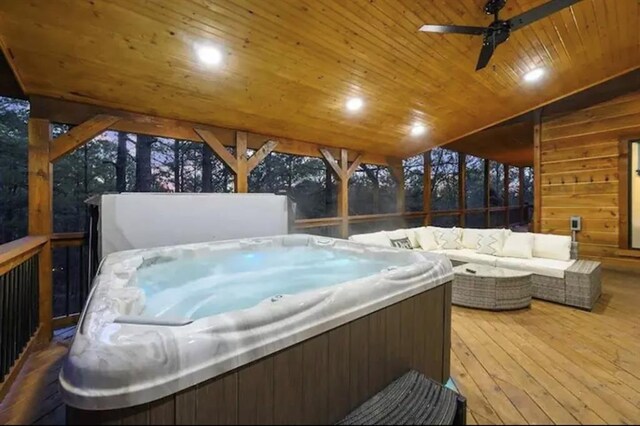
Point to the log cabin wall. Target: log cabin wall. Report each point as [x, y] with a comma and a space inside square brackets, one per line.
[582, 161]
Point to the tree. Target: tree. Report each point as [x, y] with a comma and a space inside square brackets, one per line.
[143, 162]
[121, 163]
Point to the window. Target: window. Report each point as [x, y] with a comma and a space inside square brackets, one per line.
[475, 182]
[634, 184]
[372, 190]
[413, 175]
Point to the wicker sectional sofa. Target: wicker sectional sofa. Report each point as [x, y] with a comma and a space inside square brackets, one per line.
[568, 281]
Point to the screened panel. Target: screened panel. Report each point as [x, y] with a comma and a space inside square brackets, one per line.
[444, 179]
[14, 115]
[496, 184]
[413, 181]
[475, 196]
[514, 186]
[445, 220]
[372, 190]
[475, 220]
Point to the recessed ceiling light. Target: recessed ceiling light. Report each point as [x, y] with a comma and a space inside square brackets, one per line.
[209, 55]
[418, 129]
[354, 104]
[534, 75]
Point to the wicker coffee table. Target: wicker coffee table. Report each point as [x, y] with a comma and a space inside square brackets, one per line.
[491, 287]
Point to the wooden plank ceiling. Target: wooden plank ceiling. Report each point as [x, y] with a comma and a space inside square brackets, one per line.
[290, 65]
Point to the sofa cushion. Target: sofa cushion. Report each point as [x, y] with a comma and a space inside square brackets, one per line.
[427, 239]
[518, 244]
[546, 267]
[552, 246]
[469, 256]
[449, 238]
[492, 242]
[411, 233]
[374, 239]
[471, 237]
[403, 243]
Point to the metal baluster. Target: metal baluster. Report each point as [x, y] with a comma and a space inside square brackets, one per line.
[66, 281]
[3, 320]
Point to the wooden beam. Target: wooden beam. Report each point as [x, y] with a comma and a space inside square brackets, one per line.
[41, 213]
[73, 113]
[261, 154]
[426, 187]
[79, 135]
[216, 146]
[462, 186]
[354, 165]
[331, 161]
[242, 174]
[537, 170]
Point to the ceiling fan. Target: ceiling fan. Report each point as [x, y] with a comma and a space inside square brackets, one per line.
[499, 30]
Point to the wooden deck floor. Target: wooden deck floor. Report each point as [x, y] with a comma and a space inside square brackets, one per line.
[548, 364]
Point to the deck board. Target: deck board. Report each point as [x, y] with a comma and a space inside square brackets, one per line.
[550, 363]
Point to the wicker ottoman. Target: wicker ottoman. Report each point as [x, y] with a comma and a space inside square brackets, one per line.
[491, 287]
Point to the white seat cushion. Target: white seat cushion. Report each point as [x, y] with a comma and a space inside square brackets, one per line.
[374, 239]
[552, 246]
[469, 256]
[547, 267]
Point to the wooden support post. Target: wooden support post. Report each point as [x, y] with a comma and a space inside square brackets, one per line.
[487, 194]
[41, 214]
[216, 146]
[521, 192]
[507, 179]
[242, 174]
[343, 194]
[397, 170]
[426, 188]
[537, 172]
[261, 154]
[462, 187]
[342, 171]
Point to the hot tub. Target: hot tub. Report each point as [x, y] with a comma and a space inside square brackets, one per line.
[166, 320]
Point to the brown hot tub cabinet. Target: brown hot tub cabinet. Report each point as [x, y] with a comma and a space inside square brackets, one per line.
[317, 381]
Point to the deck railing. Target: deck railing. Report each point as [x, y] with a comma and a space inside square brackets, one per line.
[71, 278]
[19, 304]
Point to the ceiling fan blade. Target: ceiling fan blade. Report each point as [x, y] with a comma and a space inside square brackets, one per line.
[452, 29]
[539, 12]
[488, 47]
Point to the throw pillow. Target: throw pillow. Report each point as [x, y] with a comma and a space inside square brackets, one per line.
[492, 242]
[413, 236]
[449, 238]
[471, 237]
[403, 243]
[426, 239]
[518, 244]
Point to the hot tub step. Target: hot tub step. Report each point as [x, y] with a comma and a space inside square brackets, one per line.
[411, 399]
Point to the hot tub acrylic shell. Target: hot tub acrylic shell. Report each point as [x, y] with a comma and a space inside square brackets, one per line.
[115, 362]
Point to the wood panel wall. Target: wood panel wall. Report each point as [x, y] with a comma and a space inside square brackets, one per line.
[317, 381]
[579, 156]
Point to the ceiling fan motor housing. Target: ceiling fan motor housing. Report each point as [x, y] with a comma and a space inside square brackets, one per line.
[498, 32]
[494, 6]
